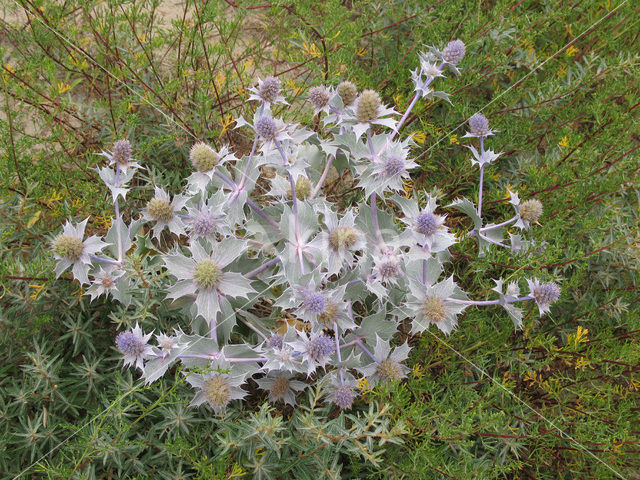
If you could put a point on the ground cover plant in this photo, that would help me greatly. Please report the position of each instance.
(557, 398)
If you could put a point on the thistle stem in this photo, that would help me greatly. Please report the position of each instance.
(295, 207)
(495, 242)
(487, 302)
(503, 224)
(481, 177)
(250, 202)
(325, 172)
(252, 327)
(374, 219)
(253, 151)
(365, 350)
(117, 208)
(262, 268)
(335, 334)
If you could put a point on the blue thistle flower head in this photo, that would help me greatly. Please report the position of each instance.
(454, 51)
(344, 396)
(129, 344)
(320, 347)
(314, 302)
(427, 224)
(266, 127)
(275, 341)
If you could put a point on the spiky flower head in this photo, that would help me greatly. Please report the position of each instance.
(330, 314)
(275, 341)
(121, 152)
(427, 224)
(389, 370)
(130, 344)
(454, 52)
(217, 391)
(393, 165)
(531, 210)
(343, 238)
(479, 125)
(207, 274)
(133, 346)
(203, 157)
(343, 396)
(314, 302)
(546, 293)
(348, 92)
(266, 127)
(160, 209)
(388, 268)
(319, 97)
(387, 366)
(269, 89)
(319, 348)
(68, 247)
(203, 224)
(281, 387)
(434, 309)
(368, 106)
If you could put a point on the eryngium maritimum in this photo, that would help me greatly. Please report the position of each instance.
(479, 125)
(348, 92)
(216, 389)
(133, 346)
(319, 97)
(269, 89)
(454, 52)
(544, 294)
(203, 157)
(531, 210)
(266, 127)
(70, 250)
(368, 106)
(121, 152)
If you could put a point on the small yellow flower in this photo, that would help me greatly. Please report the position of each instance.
(63, 87)
(419, 137)
(311, 49)
(564, 142)
(361, 52)
(454, 139)
(571, 51)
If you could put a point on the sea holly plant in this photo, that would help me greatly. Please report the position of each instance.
(332, 285)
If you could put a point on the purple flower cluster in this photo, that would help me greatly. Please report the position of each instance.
(332, 282)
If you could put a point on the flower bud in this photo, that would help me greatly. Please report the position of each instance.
(393, 165)
(453, 52)
(320, 347)
(68, 246)
(531, 210)
(266, 127)
(479, 125)
(426, 224)
(348, 92)
(160, 210)
(546, 293)
(314, 302)
(269, 89)
(203, 157)
(434, 309)
(389, 370)
(368, 106)
(303, 188)
(343, 238)
(130, 344)
(207, 274)
(344, 396)
(217, 391)
(280, 387)
(121, 152)
(319, 97)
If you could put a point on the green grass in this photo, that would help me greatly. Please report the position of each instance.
(559, 399)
